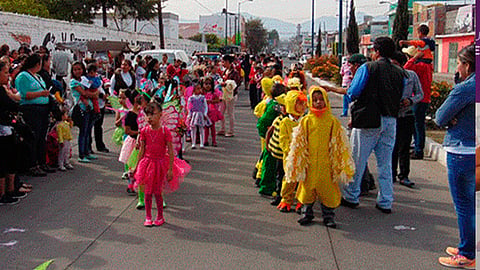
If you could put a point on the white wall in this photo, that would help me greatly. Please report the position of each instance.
(16, 29)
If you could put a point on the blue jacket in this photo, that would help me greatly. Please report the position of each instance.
(459, 105)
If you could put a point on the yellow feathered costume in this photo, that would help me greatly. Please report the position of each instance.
(319, 157)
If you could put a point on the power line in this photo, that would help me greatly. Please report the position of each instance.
(202, 5)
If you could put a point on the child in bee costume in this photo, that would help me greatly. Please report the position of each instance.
(319, 159)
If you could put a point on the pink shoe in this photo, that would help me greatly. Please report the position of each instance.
(159, 222)
(147, 223)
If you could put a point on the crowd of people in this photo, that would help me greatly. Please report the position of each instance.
(306, 155)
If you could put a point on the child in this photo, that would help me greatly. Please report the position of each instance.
(228, 107)
(213, 96)
(64, 137)
(319, 159)
(425, 45)
(295, 105)
(267, 182)
(131, 129)
(92, 83)
(120, 113)
(197, 114)
(157, 169)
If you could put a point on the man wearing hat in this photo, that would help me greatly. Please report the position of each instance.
(424, 72)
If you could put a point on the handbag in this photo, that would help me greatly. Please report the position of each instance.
(77, 115)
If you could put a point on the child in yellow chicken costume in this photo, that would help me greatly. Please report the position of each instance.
(319, 159)
(295, 105)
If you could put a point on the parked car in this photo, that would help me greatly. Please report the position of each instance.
(209, 55)
(172, 55)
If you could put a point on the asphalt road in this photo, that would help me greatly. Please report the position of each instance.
(83, 219)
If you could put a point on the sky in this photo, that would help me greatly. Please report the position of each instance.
(294, 11)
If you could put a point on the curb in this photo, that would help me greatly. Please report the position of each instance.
(433, 150)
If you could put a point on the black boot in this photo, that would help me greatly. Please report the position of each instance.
(276, 200)
(307, 218)
(254, 173)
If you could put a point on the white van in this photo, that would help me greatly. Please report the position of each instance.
(172, 55)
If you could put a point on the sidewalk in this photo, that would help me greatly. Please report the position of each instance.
(84, 220)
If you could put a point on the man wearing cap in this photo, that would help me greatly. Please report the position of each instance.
(377, 89)
(424, 72)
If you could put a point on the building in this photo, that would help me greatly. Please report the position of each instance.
(459, 33)
(187, 30)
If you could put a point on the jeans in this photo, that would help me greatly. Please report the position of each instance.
(420, 110)
(346, 104)
(461, 179)
(401, 151)
(85, 135)
(380, 140)
(36, 116)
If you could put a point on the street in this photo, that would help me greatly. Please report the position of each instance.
(83, 219)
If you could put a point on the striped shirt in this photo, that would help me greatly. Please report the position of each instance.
(274, 142)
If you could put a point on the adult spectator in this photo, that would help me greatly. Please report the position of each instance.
(377, 90)
(424, 72)
(60, 61)
(164, 64)
(87, 121)
(34, 106)
(8, 162)
(246, 66)
(412, 94)
(153, 70)
(123, 78)
(4, 50)
(457, 114)
(230, 73)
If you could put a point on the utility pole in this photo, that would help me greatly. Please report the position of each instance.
(313, 27)
(160, 25)
(340, 29)
(226, 22)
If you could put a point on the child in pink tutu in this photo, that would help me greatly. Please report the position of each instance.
(157, 170)
(213, 96)
(131, 129)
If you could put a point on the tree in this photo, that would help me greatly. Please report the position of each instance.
(352, 32)
(136, 9)
(213, 41)
(256, 35)
(30, 7)
(318, 51)
(72, 10)
(401, 22)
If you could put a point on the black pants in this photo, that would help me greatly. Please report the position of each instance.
(36, 116)
(401, 151)
(280, 173)
(253, 95)
(98, 130)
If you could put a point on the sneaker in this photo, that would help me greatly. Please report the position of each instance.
(330, 223)
(62, 168)
(164, 204)
(193, 146)
(8, 200)
(452, 251)
(383, 210)
(148, 223)
(202, 146)
(125, 175)
(47, 169)
(416, 156)
(140, 206)
(69, 166)
(457, 261)
(348, 204)
(159, 222)
(84, 160)
(18, 194)
(229, 134)
(91, 157)
(131, 192)
(406, 182)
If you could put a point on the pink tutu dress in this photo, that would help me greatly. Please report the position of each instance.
(213, 109)
(153, 167)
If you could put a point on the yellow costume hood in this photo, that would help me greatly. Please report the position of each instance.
(291, 99)
(267, 84)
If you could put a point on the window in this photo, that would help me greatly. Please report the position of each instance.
(452, 57)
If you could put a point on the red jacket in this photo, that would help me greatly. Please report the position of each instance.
(425, 74)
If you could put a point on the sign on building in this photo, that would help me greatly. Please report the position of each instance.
(464, 20)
